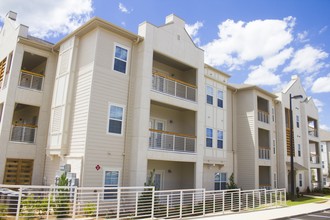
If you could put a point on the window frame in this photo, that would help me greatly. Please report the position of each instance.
(300, 177)
(209, 137)
(110, 169)
(122, 120)
(114, 58)
(209, 95)
(299, 150)
(221, 140)
(297, 121)
(220, 98)
(220, 181)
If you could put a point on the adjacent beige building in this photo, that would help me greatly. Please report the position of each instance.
(109, 107)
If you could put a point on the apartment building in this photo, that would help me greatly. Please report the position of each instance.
(325, 150)
(306, 141)
(109, 107)
(26, 81)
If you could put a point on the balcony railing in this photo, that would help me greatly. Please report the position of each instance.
(23, 133)
(265, 186)
(169, 141)
(264, 153)
(31, 80)
(174, 87)
(263, 116)
(312, 132)
(315, 159)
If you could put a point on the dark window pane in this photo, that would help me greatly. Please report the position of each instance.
(115, 126)
(121, 53)
(208, 142)
(220, 144)
(209, 99)
(216, 186)
(220, 103)
(116, 112)
(110, 194)
(223, 185)
(120, 66)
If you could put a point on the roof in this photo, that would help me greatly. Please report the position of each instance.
(215, 69)
(325, 135)
(98, 22)
(241, 87)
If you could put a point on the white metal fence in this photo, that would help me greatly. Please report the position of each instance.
(44, 202)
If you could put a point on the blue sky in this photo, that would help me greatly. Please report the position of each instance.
(256, 42)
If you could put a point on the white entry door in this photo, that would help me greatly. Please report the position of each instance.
(159, 179)
(158, 138)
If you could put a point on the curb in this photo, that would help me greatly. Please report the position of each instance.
(308, 213)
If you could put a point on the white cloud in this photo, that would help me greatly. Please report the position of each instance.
(262, 76)
(49, 18)
(123, 8)
(193, 29)
(323, 29)
(318, 104)
(307, 60)
(240, 42)
(278, 59)
(321, 84)
(324, 127)
(302, 37)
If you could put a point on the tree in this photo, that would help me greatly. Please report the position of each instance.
(231, 184)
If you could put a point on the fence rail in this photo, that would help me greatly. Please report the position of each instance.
(49, 202)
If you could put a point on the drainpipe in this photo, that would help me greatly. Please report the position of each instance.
(232, 133)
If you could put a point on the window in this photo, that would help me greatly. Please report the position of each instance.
(324, 181)
(220, 98)
(274, 146)
(220, 181)
(120, 60)
(322, 164)
(321, 148)
(297, 119)
(275, 181)
(111, 179)
(220, 139)
(115, 125)
(300, 180)
(299, 150)
(209, 95)
(209, 137)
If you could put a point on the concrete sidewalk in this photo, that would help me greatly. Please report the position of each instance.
(275, 213)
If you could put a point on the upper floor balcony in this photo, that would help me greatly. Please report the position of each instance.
(32, 73)
(314, 159)
(171, 141)
(24, 124)
(173, 87)
(174, 78)
(312, 127)
(263, 110)
(264, 144)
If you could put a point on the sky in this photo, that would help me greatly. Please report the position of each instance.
(260, 42)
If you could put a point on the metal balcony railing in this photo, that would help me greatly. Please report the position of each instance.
(312, 132)
(265, 186)
(315, 159)
(23, 133)
(170, 141)
(263, 116)
(31, 80)
(264, 153)
(174, 87)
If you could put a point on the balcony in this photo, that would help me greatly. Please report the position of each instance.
(174, 87)
(312, 131)
(263, 116)
(315, 159)
(264, 153)
(31, 80)
(170, 141)
(265, 186)
(23, 133)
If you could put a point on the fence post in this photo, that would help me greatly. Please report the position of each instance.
(118, 202)
(204, 194)
(97, 205)
(74, 202)
(239, 200)
(19, 202)
(213, 203)
(253, 200)
(231, 201)
(152, 202)
(48, 205)
(181, 195)
(265, 197)
(223, 202)
(276, 197)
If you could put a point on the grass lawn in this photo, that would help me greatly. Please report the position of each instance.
(304, 200)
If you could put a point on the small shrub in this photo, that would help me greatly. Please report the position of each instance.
(89, 209)
(326, 191)
(308, 190)
(3, 210)
(316, 190)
